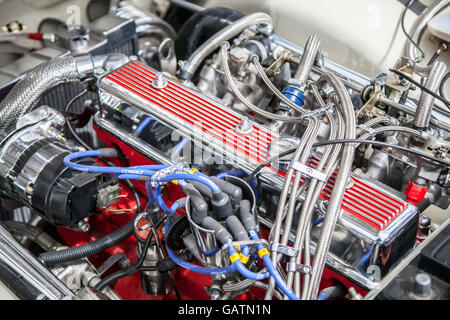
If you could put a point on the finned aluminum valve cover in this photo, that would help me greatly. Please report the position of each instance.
(370, 213)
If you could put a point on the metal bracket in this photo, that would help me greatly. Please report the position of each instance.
(368, 129)
(286, 250)
(138, 218)
(317, 112)
(245, 243)
(309, 172)
(295, 267)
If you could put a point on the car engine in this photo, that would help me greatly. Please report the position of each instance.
(165, 150)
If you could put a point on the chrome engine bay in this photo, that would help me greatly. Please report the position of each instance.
(168, 150)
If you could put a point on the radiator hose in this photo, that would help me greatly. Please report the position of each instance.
(48, 75)
(33, 233)
(65, 255)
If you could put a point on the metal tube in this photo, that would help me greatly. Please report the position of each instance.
(350, 78)
(248, 104)
(311, 129)
(272, 87)
(337, 194)
(411, 110)
(195, 60)
(308, 206)
(423, 111)
(187, 5)
(307, 61)
(390, 128)
(372, 122)
(419, 27)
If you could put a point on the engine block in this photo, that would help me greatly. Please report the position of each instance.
(369, 211)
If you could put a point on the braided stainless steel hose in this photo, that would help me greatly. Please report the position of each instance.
(337, 194)
(312, 127)
(308, 206)
(272, 87)
(307, 61)
(241, 98)
(27, 92)
(426, 101)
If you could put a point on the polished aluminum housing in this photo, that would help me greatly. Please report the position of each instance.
(35, 142)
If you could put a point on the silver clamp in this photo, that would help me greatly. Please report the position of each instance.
(317, 112)
(139, 217)
(368, 129)
(295, 267)
(309, 172)
(285, 250)
(245, 243)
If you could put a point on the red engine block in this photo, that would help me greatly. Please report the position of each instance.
(190, 285)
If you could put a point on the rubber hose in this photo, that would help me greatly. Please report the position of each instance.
(88, 249)
(200, 27)
(33, 233)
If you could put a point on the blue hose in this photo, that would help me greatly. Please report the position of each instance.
(238, 173)
(243, 270)
(148, 170)
(322, 296)
(160, 199)
(193, 267)
(150, 193)
(176, 151)
(131, 177)
(209, 253)
(174, 207)
(198, 269)
(142, 126)
(188, 176)
(272, 270)
(135, 172)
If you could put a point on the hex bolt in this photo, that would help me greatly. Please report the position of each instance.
(83, 226)
(29, 190)
(160, 82)
(245, 126)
